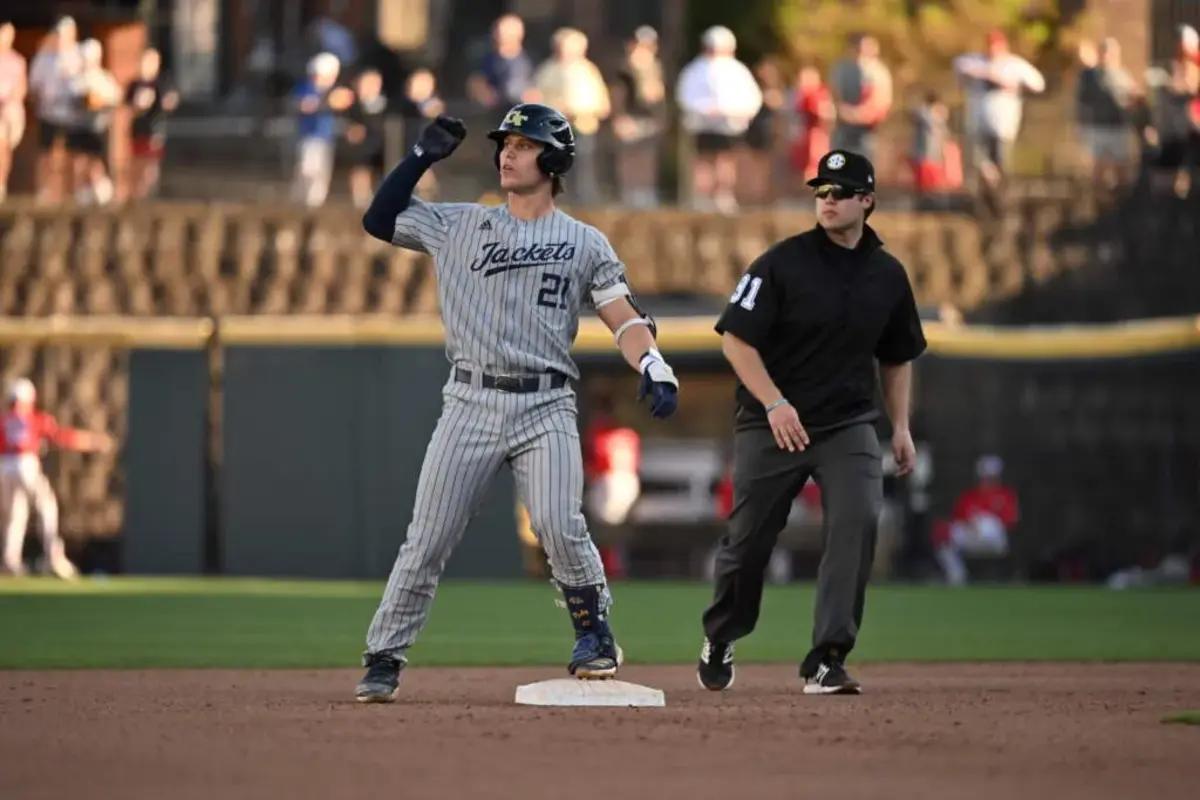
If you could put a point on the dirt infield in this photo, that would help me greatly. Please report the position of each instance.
(929, 731)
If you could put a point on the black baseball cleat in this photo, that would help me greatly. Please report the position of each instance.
(596, 656)
(831, 678)
(715, 669)
(382, 680)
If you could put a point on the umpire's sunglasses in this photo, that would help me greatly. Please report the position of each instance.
(836, 191)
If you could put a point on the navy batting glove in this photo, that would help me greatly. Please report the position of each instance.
(441, 138)
(660, 385)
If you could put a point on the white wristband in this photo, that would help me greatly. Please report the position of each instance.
(783, 401)
(651, 356)
(655, 367)
(627, 324)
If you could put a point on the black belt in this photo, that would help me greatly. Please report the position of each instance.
(511, 383)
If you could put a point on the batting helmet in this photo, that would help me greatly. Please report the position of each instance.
(541, 124)
(21, 390)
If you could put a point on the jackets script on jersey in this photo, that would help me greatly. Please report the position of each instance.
(510, 289)
(497, 258)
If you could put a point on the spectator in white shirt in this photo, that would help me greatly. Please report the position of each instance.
(718, 96)
(572, 84)
(52, 78)
(995, 81)
(96, 96)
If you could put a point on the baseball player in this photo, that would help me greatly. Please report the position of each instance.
(983, 516)
(511, 282)
(22, 482)
(613, 454)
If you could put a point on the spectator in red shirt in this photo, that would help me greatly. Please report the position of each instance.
(982, 519)
(23, 483)
(815, 117)
(936, 159)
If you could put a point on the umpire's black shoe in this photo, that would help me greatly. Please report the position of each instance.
(715, 670)
(831, 678)
(382, 680)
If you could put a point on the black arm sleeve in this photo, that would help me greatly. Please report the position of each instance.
(393, 196)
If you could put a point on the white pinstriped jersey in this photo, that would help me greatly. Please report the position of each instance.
(510, 290)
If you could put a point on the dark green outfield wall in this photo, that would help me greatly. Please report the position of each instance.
(163, 460)
(323, 449)
(322, 452)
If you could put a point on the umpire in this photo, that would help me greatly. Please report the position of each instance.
(803, 331)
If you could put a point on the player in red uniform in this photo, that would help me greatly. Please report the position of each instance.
(983, 516)
(22, 482)
(612, 454)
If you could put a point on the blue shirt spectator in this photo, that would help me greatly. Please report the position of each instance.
(509, 77)
(503, 77)
(318, 123)
(317, 101)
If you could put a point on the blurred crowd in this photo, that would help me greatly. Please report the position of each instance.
(74, 99)
(1117, 113)
(747, 134)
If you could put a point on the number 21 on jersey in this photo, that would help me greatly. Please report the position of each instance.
(554, 291)
(746, 291)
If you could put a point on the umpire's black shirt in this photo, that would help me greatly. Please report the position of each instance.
(819, 314)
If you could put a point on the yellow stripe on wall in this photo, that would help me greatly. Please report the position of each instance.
(1060, 342)
(331, 330)
(676, 335)
(171, 333)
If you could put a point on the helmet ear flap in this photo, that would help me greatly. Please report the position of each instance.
(549, 161)
(554, 162)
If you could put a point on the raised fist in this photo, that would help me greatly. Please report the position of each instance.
(441, 137)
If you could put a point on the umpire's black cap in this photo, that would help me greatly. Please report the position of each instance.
(845, 169)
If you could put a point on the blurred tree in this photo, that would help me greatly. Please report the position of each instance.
(919, 38)
(754, 22)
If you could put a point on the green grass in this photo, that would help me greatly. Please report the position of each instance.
(196, 622)
(1183, 718)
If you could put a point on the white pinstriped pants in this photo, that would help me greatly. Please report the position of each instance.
(480, 430)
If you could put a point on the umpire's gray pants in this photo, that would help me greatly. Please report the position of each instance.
(846, 465)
